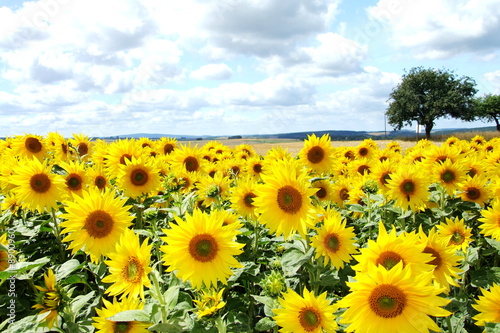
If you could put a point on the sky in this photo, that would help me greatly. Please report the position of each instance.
(230, 67)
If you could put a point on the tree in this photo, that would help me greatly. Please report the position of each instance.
(488, 108)
(425, 95)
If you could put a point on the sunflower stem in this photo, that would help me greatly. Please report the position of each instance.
(138, 217)
(57, 233)
(256, 238)
(448, 322)
(159, 296)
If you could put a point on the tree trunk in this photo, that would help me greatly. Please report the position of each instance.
(498, 124)
(428, 129)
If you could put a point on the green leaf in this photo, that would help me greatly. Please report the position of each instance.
(493, 243)
(165, 328)
(293, 259)
(130, 315)
(23, 267)
(79, 301)
(265, 324)
(67, 268)
(171, 297)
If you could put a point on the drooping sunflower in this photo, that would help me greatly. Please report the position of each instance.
(137, 177)
(305, 314)
(213, 190)
(456, 233)
(390, 249)
(129, 267)
(201, 243)
(334, 242)
(105, 325)
(209, 301)
(444, 259)
(49, 299)
(95, 222)
(283, 201)
(488, 305)
(29, 146)
(449, 174)
(317, 153)
(489, 222)
(242, 197)
(37, 188)
(392, 300)
(75, 178)
(475, 189)
(408, 186)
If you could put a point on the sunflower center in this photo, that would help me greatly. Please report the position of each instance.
(436, 261)
(309, 319)
(257, 168)
(387, 301)
(473, 193)
(33, 145)
(472, 172)
(385, 177)
(125, 156)
(408, 187)
(100, 182)
(344, 194)
(321, 193)
(362, 169)
(289, 199)
(389, 259)
(74, 182)
(248, 199)
(191, 163)
(332, 242)
(363, 151)
(133, 271)
(316, 154)
(139, 177)
(122, 327)
(168, 148)
(457, 238)
(82, 148)
(203, 247)
(99, 224)
(448, 176)
(235, 170)
(40, 183)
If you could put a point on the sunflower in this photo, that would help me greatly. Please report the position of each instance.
(105, 325)
(334, 241)
(434, 155)
(341, 189)
(408, 187)
(488, 305)
(360, 166)
(305, 314)
(201, 243)
(37, 188)
(129, 267)
(81, 143)
(166, 145)
(137, 178)
(97, 178)
(456, 233)
(390, 249)
(4, 255)
(75, 178)
(489, 222)
(317, 153)
(475, 189)
(242, 197)
(118, 153)
(209, 302)
(213, 190)
(229, 218)
(365, 149)
(9, 164)
(187, 159)
(444, 259)
(57, 146)
(381, 173)
(449, 174)
(254, 166)
(95, 222)
(49, 299)
(392, 300)
(283, 201)
(29, 146)
(324, 191)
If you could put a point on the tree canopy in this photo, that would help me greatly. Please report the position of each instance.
(488, 108)
(425, 95)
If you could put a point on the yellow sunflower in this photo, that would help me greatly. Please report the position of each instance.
(334, 241)
(449, 174)
(254, 166)
(317, 153)
(29, 146)
(393, 300)
(57, 146)
(246, 149)
(408, 186)
(137, 177)
(475, 189)
(489, 222)
(341, 190)
(4, 255)
(97, 178)
(209, 302)
(488, 306)
(324, 191)
(95, 222)
(213, 190)
(284, 200)
(242, 197)
(201, 243)
(118, 153)
(81, 143)
(456, 233)
(381, 173)
(75, 178)
(49, 299)
(129, 267)
(305, 314)
(187, 159)
(37, 188)
(390, 249)
(166, 145)
(104, 325)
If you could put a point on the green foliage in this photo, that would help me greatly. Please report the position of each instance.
(425, 95)
(488, 108)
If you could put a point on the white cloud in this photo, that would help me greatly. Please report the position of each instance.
(212, 72)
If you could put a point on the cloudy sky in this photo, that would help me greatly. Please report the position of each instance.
(228, 67)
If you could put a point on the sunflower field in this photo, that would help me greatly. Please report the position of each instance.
(136, 235)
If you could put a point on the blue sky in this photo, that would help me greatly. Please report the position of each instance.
(229, 67)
